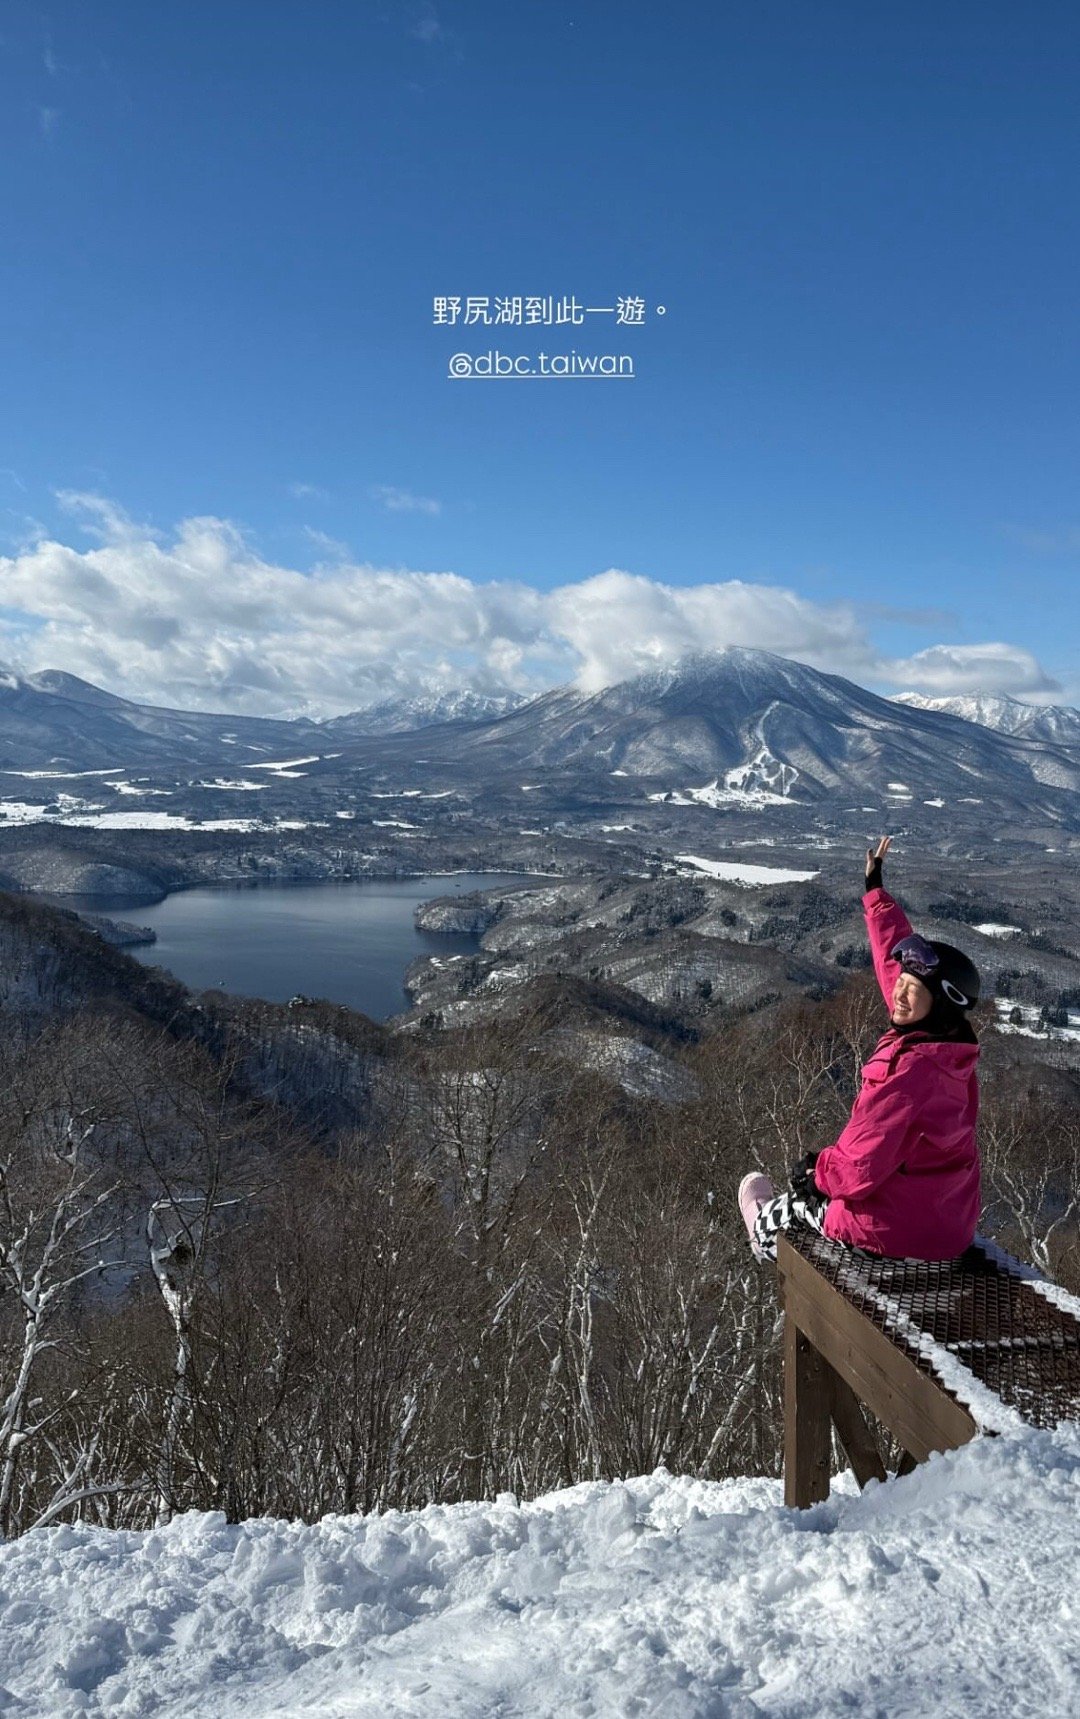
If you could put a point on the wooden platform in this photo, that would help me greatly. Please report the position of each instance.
(937, 1351)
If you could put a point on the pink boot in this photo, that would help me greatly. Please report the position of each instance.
(754, 1190)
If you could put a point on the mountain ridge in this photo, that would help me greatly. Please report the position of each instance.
(1059, 724)
(734, 727)
(425, 710)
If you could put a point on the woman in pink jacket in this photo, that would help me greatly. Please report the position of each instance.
(903, 1177)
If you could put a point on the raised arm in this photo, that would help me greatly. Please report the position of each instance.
(886, 922)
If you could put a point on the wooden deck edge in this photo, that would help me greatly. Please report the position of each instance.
(916, 1407)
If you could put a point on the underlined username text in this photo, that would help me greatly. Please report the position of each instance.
(495, 365)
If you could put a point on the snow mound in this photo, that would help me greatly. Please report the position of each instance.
(950, 1592)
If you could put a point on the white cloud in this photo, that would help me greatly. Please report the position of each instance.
(98, 517)
(619, 624)
(200, 619)
(19, 531)
(48, 120)
(427, 27)
(308, 492)
(1064, 540)
(331, 548)
(401, 501)
(436, 35)
(995, 668)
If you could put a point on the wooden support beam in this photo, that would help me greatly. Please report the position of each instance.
(912, 1404)
(854, 1434)
(807, 1426)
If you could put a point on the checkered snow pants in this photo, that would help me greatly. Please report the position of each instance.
(783, 1213)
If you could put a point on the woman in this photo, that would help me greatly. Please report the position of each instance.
(903, 1178)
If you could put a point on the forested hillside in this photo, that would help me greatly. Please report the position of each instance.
(280, 1260)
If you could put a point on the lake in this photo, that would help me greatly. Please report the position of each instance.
(349, 942)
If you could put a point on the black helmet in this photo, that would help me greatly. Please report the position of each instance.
(945, 971)
(955, 976)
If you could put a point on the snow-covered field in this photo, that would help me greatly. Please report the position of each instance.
(1030, 1025)
(950, 1593)
(735, 792)
(748, 874)
(80, 815)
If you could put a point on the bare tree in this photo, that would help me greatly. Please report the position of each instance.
(486, 1100)
(1030, 1147)
(54, 1234)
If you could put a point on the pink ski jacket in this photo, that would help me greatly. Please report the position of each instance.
(903, 1178)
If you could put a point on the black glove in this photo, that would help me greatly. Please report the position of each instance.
(801, 1177)
(873, 865)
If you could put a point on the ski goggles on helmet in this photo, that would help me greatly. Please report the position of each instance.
(920, 958)
(916, 955)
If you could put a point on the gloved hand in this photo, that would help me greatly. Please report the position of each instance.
(801, 1177)
(874, 857)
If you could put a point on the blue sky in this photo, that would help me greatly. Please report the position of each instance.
(224, 229)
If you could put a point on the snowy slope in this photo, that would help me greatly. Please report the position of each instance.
(737, 728)
(952, 1592)
(59, 724)
(426, 710)
(1057, 723)
(745, 727)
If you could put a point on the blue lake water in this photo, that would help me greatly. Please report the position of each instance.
(349, 942)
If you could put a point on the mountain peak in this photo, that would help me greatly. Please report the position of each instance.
(425, 710)
(64, 685)
(740, 665)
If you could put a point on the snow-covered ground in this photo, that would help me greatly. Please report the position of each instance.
(748, 874)
(1031, 1025)
(64, 775)
(286, 765)
(733, 793)
(950, 1593)
(81, 815)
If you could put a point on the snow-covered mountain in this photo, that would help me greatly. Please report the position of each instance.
(405, 715)
(747, 724)
(725, 728)
(1059, 724)
(56, 722)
